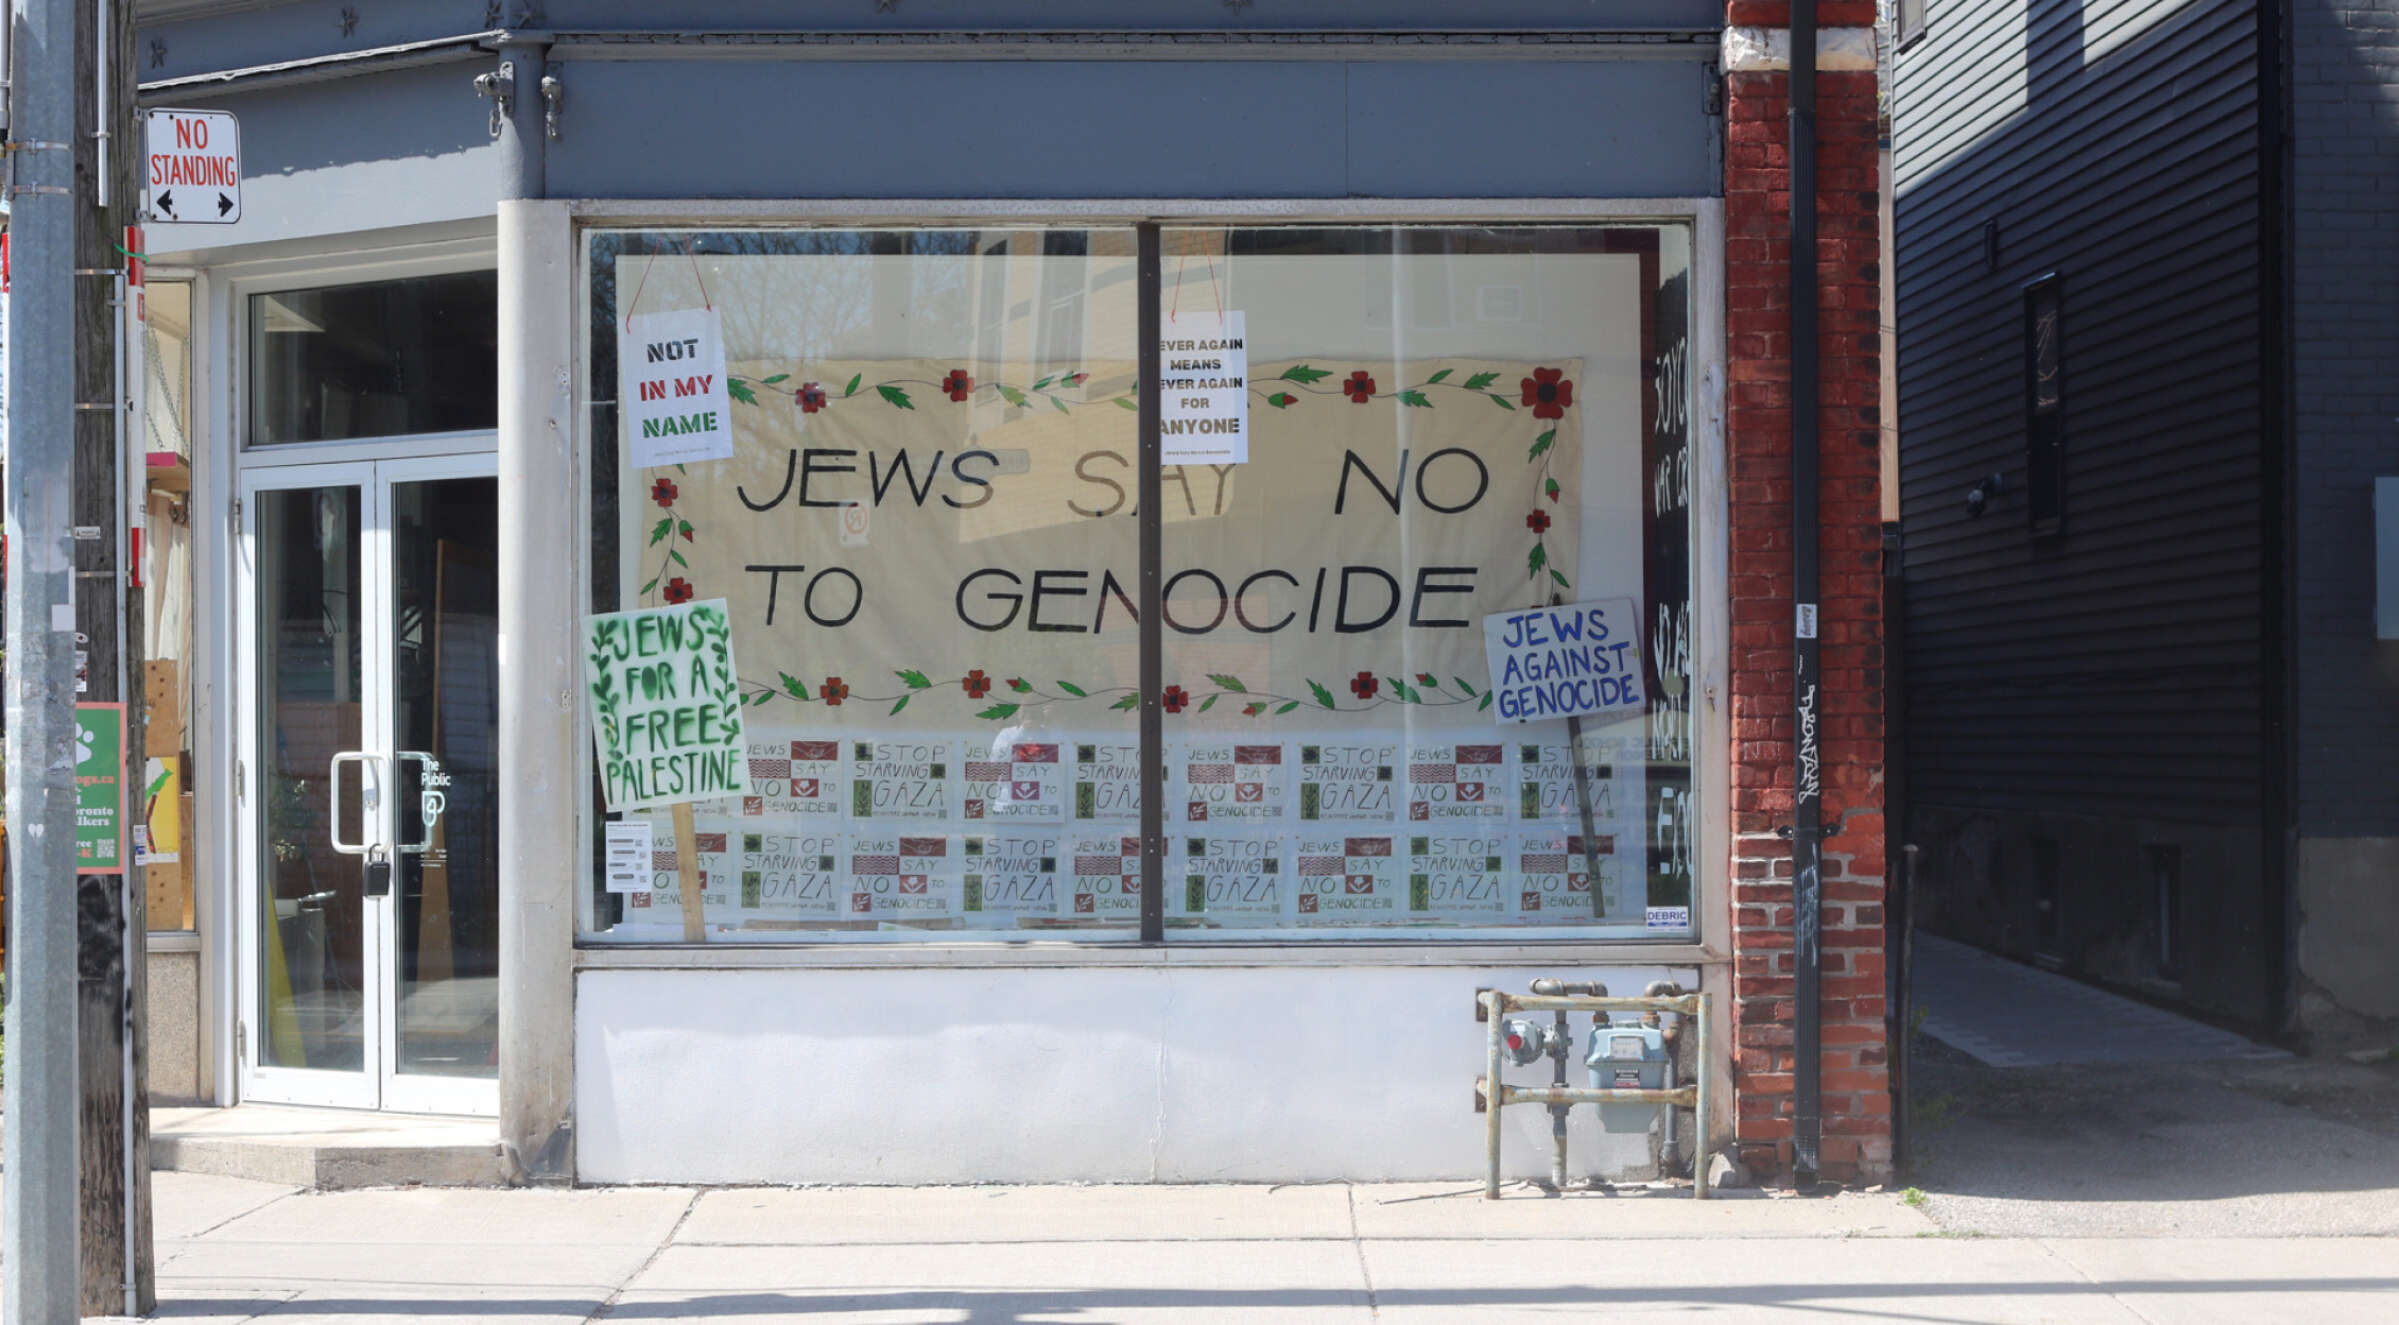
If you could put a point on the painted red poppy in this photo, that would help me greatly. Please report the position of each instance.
(1538, 522)
(1549, 393)
(977, 685)
(664, 492)
(1364, 684)
(833, 691)
(1175, 699)
(678, 590)
(1359, 388)
(958, 384)
(811, 397)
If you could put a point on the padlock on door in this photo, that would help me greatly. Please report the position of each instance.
(378, 878)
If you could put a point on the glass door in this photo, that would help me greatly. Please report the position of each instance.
(369, 789)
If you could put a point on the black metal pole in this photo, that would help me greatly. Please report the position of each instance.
(1807, 886)
(1147, 275)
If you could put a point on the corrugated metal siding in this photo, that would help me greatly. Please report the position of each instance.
(2113, 670)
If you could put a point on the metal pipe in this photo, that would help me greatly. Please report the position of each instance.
(1150, 267)
(1492, 1088)
(40, 1233)
(1557, 1112)
(523, 147)
(1556, 1095)
(1686, 1003)
(103, 24)
(1807, 827)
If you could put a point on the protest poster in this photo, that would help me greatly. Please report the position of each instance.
(671, 391)
(1574, 660)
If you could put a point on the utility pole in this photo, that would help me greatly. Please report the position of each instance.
(37, 1204)
(113, 937)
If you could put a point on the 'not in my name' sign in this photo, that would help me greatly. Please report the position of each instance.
(671, 389)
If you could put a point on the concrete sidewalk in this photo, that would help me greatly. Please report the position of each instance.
(234, 1250)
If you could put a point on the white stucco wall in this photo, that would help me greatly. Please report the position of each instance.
(1106, 1074)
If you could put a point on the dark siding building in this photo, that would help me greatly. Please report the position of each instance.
(2145, 347)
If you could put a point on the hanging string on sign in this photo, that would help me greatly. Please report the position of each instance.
(698, 276)
(1182, 260)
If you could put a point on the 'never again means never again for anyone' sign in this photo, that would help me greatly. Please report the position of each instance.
(665, 705)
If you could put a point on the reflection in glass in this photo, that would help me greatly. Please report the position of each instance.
(383, 359)
(927, 546)
(445, 717)
(309, 684)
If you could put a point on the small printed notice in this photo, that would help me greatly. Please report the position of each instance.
(670, 372)
(1668, 917)
(1348, 781)
(1011, 876)
(904, 779)
(1106, 882)
(1231, 882)
(1229, 782)
(665, 704)
(1348, 881)
(1571, 661)
(1020, 781)
(1457, 783)
(627, 867)
(99, 788)
(1203, 391)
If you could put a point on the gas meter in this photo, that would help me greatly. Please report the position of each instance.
(1527, 1041)
(1627, 1057)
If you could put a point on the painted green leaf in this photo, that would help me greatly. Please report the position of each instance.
(1043, 382)
(659, 531)
(1486, 702)
(1537, 558)
(1224, 682)
(1415, 398)
(1437, 376)
(1252, 710)
(852, 388)
(915, 680)
(741, 391)
(683, 527)
(902, 704)
(678, 558)
(1286, 708)
(779, 377)
(1011, 395)
(1209, 703)
(1281, 399)
(1462, 684)
(895, 396)
(1553, 574)
(1128, 702)
(1302, 373)
(1502, 401)
(1128, 402)
(1070, 688)
(998, 711)
(1020, 685)
(793, 684)
(651, 585)
(1550, 486)
(1541, 444)
(1481, 380)
(1428, 679)
(1061, 405)
(1323, 696)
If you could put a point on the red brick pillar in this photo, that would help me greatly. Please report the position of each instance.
(1856, 1138)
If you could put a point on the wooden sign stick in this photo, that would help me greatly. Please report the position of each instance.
(687, 870)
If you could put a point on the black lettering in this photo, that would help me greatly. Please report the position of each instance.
(774, 580)
(1224, 602)
(1041, 587)
(809, 470)
(1015, 601)
(958, 471)
(1349, 461)
(1341, 621)
(1241, 613)
(881, 483)
(1482, 481)
(857, 598)
(791, 464)
(1425, 587)
(1083, 472)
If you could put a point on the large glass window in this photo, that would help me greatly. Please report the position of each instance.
(928, 538)
(380, 359)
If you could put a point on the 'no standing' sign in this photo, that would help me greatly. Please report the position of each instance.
(194, 170)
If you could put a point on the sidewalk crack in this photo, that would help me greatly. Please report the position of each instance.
(605, 1309)
(1374, 1307)
(2111, 1294)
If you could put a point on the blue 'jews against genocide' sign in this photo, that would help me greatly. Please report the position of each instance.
(1572, 660)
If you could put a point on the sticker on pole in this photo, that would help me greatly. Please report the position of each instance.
(194, 176)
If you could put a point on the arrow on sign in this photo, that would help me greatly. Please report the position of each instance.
(224, 204)
(166, 203)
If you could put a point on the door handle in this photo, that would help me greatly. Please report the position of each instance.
(370, 796)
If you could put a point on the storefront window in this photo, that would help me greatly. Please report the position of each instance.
(928, 542)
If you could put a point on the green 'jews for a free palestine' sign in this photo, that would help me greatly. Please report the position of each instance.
(665, 704)
(99, 788)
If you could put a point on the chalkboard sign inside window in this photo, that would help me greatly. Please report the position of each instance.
(2044, 406)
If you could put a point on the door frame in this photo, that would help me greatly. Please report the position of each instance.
(377, 1083)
